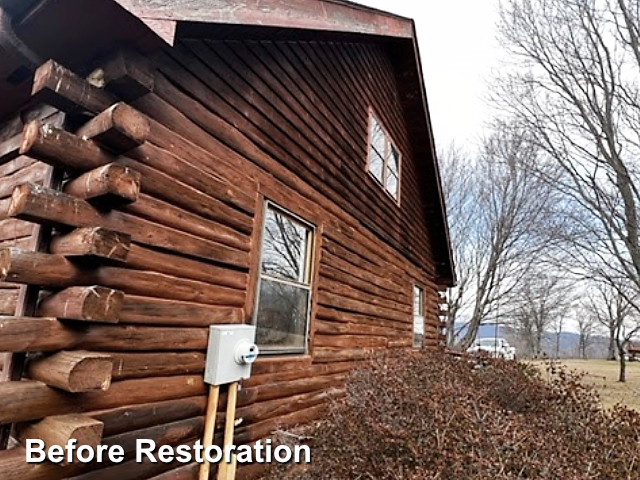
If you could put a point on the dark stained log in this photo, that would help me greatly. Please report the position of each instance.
(157, 311)
(10, 148)
(210, 197)
(14, 466)
(55, 85)
(128, 74)
(29, 334)
(328, 355)
(264, 429)
(335, 328)
(261, 393)
(73, 372)
(169, 215)
(142, 258)
(144, 365)
(134, 417)
(35, 173)
(31, 400)
(350, 341)
(42, 205)
(56, 271)
(89, 304)
(303, 371)
(108, 187)
(12, 228)
(61, 429)
(92, 242)
(120, 128)
(62, 149)
(8, 301)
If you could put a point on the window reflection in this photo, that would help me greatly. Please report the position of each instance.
(282, 313)
(384, 158)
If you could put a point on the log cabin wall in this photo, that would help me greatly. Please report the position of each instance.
(229, 125)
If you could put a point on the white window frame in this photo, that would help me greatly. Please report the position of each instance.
(309, 274)
(418, 315)
(388, 145)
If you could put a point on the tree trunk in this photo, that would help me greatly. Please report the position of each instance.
(612, 344)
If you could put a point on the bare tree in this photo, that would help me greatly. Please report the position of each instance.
(497, 210)
(543, 303)
(574, 88)
(616, 305)
(586, 322)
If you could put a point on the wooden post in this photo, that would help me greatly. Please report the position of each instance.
(59, 430)
(73, 372)
(92, 242)
(108, 187)
(119, 128)
(209, 427)
(226, 470)
(89, 304)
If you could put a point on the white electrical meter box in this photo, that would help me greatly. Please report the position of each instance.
(230, 353)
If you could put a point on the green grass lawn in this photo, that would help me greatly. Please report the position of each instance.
(604, 376)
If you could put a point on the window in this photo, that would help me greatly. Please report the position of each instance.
(284, 289)
(384, 158)
(418, 316)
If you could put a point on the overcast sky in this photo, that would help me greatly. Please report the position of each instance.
(459, 53)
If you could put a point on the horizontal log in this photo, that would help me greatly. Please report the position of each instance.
(73, 372)
(143, 258)
(30, 400)
(157, 311)
(135, 417)
(34, 173)
(188, 472)
(304, 371)
(11, 228)
(119, 128)
(90, 304)
(144, 365)
(329, 355)
(56, 271)
(336, 328)
(62, 149)
(8, 301)
(349, 341)
(92, 242)
(10, 148)
(261, 393)
(57, 86)
(42, 205)
(106, 187)
(61, 429)
(23, 334)
(14, 466)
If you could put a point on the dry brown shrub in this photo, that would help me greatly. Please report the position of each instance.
(426, 417)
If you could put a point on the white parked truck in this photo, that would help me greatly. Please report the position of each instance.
(495, 347)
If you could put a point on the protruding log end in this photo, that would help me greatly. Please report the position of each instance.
(60, 430)
(94, 242)
(89, 304)
(107, 187)
(119, 128)
(74, 372)
(30, 135)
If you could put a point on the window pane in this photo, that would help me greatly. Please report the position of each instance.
(378, 138)
(284, 248)
(376, 165)
(418, 330)
(418, 302)
(282, 315)
(394, 161)
(392, 185)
